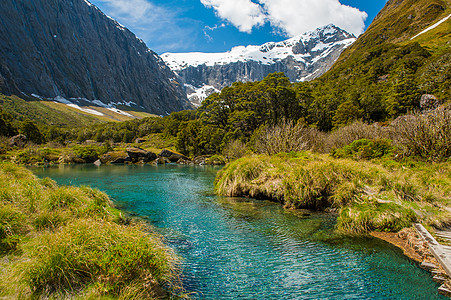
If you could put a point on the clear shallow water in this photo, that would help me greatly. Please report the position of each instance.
(245, 249)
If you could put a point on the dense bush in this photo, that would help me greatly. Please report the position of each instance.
(427, 136)
(365, 149)
(31, 131)
(283, 137)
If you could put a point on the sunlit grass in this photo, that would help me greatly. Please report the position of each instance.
(66, 242)
(367, 195)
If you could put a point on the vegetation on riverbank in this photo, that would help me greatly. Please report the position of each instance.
(368, 196)
(67, 242)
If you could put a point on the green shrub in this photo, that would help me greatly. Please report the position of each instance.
(427, 136)
(216, 160)
(31, 131)
(370, 216)
(88, 153)
(365, 149)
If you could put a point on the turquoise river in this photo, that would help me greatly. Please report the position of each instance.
(235, 248)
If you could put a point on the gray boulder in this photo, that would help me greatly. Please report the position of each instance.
(137, 154)
(19, 140)
(115, 158)
(172, 156)
(429, 102)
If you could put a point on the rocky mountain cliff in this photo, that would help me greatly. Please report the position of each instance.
(70, 49)
(301, 58)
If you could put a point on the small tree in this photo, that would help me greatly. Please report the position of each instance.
(31, 131)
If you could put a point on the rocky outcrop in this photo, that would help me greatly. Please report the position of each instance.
(115, 157)
(69, 48)
(429, 102)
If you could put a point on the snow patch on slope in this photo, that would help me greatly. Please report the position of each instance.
(86, 110)
(73, 103)
(432, 27)
(87, 2)
(197, 95)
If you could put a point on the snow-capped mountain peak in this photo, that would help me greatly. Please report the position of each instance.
(303, 48)
(303, 57)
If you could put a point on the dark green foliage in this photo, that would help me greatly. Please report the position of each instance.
(88, 153)
(196, 139)
(6, 126)
(243, 107)
(365, 149)
(31, 131)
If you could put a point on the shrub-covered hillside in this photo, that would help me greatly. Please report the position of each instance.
(385, 72)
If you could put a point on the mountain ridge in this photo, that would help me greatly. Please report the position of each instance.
(304, 57)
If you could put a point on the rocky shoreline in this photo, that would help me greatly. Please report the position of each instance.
(418, 251)
(136, 155)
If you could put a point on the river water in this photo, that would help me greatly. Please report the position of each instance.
(234, 248)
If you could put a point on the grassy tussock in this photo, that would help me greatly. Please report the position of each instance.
(367, 196)
(67, 242)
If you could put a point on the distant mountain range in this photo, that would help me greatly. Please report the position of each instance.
(301, 58)
(69, 51)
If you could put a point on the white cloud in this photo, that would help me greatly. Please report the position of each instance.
(130, 9)
(208, 28)
(292, 17)
(243, 14)
(297, 16)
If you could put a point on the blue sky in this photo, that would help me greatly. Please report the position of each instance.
(219, 25)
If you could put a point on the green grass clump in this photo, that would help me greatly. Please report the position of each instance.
(216, 160)
(374, 216)
(105, 257)
(367, 196)
(67, 242)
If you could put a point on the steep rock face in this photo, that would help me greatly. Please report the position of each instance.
(304, 57)
(69, 48)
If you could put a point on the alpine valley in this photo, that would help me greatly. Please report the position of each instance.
(326, 142)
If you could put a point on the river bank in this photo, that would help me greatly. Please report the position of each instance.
(70, 242)
(369, 196)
